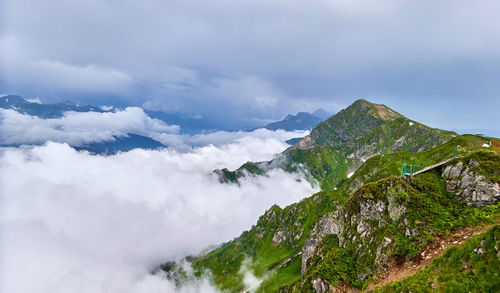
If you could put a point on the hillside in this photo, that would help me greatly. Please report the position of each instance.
(336, 147)
(343, 237)
(473, 266)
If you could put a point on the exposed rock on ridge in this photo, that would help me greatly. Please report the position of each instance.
(470, 186)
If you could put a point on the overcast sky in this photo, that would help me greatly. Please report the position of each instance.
(243, 62)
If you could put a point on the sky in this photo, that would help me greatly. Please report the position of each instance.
(244, 63)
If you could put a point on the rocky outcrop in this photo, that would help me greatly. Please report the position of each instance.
(360, 224)
(355, 224)
(329, 224)
(278, 237)
(305, 143)
(321, 287)
(470, 186)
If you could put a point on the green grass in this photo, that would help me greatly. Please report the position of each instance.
(459, 269)
(287, 274)
(430, 209)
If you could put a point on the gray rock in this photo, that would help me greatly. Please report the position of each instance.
(307, 252)
(395, 210)
(371, 210)
(453, 171)
(387, 241)
(320, 286)
(471, 187)
(364, 229)
(278, 237)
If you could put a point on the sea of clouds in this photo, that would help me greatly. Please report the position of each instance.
(75, 222)
(80, 128)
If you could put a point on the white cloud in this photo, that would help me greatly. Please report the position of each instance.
(221, 138)
(34, 100)
(73, 222)
(24, 69)
(77, 128)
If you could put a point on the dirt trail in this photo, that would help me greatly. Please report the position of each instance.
(395, 272)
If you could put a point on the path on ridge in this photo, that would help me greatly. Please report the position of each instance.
(396, 272)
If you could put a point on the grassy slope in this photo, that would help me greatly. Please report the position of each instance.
(459, 269)
(257, 243)
(431, 207)
(431, 210)
(358, 129)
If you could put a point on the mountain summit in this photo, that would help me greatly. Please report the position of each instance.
(365, 119)
(336, 147)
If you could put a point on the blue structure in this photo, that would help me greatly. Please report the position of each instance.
(408, 170)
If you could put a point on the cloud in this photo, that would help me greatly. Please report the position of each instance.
(34, 100)
(78, 128)
(57, 76)
(222, 138)
(74, 222)
(215, 58)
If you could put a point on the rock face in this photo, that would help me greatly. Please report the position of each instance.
(469, 185)
(321, 287)
(329, 224)
(359, 225)
(355, 224)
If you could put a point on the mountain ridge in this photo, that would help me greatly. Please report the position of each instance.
(339, 145)
(345, 232)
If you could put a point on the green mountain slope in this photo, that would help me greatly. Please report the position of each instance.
(337, 146)
(297, 232)
(342, 236)
(395, 218)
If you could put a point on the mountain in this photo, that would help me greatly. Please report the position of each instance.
(337, 146)
(321, 113)
(11, 100)
(373, 221)
(48, 111)
(44, 111)
(122, 144)
(301, 121)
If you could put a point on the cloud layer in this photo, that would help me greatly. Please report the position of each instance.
(73, 222)
(79, 128)
(247, 60)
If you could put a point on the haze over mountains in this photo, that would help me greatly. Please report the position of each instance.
(131, 136)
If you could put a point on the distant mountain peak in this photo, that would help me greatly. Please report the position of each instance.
(11, 100)
(322, 113)
(300, 121)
